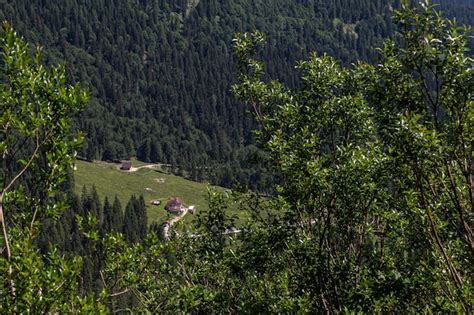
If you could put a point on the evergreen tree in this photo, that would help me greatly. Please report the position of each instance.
(108, 224)
(117, 215)
(142, 218)
(131, 228)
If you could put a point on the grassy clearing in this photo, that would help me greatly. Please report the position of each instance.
(151, 183)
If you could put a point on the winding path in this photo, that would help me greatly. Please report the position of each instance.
(166, 226)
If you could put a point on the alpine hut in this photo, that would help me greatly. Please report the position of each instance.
(126, 165)
(175, 206)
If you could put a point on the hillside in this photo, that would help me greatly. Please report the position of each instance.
(148, 180)
(160, 72)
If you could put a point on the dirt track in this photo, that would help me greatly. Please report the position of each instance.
(166, 226)
(134, 169)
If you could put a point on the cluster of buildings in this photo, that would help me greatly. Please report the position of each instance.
(176, 206)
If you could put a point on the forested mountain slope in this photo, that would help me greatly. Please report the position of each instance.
(160, 72)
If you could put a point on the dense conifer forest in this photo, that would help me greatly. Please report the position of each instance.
(160, 71)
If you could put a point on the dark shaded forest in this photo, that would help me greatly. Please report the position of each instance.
(159, 72)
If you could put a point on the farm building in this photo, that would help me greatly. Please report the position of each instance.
(126, 165)
(175, 205)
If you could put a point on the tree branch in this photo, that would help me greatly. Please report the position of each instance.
(5, 190)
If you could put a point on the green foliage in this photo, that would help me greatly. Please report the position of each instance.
(358, 151)
(379, 159)
(35, 119)
(213, 222)
(374, 209)
(42, 283)
(37, 149)
(135, 220)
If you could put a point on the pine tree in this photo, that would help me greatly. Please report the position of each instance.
(107, 225)
(130, 223)
(142, 221)
(117, 216)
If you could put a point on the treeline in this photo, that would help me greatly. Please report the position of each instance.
(160, 72)
(86, 221)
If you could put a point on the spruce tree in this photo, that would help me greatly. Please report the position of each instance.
(142, 221)
(107, 225)
(130, 223)
(117, 217)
